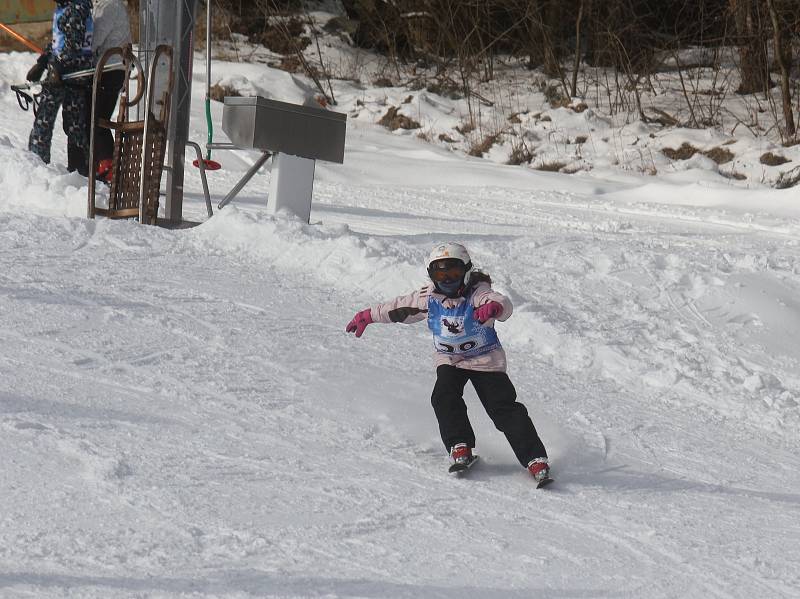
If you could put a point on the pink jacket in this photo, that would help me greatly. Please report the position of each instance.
(414, 308)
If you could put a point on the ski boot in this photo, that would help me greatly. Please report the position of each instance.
(462, 457)
(540, 470)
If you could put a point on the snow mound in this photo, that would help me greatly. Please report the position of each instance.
(29, 185)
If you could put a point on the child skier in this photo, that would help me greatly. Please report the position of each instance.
(461, 307)
(70, 50)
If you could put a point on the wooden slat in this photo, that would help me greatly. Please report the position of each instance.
(114, 126)
(125, 213)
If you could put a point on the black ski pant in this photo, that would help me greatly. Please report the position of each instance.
(499, 399)
(111, 83)
(72, 101)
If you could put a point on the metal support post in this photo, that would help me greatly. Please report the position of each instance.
(181, 106)
(172, 22)
(262, 160)
(201, 165)
(291, 185)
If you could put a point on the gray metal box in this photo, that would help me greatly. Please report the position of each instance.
(270, 125)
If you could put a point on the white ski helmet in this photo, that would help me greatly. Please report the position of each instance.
(450, 251)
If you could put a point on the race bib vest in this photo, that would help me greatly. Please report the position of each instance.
(457, 331)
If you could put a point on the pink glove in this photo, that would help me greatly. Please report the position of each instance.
(487, 311)
(359, 322)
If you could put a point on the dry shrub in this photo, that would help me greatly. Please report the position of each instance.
(719, 155)
(663, 118)
(393, 120)
(219, 92)
(446, 138)
(466, 128)
(685, 152)
(383, 82)
(552, 167)
(520, 153)
(340, 25)
(284, 38)
(733, 175)
(555, 95)
(479, 148)
(446, 89)
(788, 179)
(290, 64)
(581, 139)
(580, 107)
(771, 159)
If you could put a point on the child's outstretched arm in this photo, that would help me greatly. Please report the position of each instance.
(489, 310)
(360, 322)
(490, 304)
(405, 308)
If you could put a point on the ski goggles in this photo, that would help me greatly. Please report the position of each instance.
(448, 273)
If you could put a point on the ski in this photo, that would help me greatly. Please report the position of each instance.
(116, 66)
(544, 482)
(459, 468)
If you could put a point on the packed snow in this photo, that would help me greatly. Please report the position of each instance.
(183, 415)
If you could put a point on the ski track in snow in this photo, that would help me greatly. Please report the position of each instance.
(182, 414)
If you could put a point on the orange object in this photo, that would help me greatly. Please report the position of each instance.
(20, 38)
(209, 165)
(104, 170)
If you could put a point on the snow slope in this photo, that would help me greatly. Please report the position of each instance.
(183, 415)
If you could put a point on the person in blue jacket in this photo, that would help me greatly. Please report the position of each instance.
(69, 50)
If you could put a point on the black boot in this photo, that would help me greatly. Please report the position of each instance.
(77, 160)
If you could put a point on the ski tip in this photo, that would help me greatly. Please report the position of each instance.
(460, 468)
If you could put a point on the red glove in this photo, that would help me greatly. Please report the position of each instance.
(488, 311)
(360, 322)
